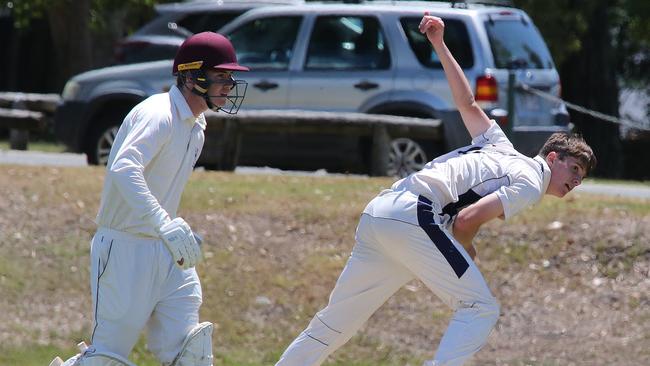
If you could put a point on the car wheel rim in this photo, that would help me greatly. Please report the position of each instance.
(104, 145)
(405, 157)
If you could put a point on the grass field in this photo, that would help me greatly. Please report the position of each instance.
(571, 275)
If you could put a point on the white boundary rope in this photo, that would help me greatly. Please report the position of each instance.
(621, 121)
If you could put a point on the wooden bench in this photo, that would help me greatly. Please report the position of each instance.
(381, 129)
(25, 112)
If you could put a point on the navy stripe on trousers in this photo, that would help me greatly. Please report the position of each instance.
(439, 238)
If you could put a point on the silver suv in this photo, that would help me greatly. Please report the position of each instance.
(367, 58)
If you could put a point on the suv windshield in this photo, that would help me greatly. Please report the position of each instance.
(456, 38)
(516, 40)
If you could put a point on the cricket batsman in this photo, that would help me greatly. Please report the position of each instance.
(424, 225)
(143, 255)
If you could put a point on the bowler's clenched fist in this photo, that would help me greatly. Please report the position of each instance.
(433, 27)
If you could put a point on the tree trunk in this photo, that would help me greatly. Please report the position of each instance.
(71, 37)
(589, 80)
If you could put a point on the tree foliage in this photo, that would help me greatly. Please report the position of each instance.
(633, 42)
(566, 25)
(599, 46)
(80, 35)
(99, 15)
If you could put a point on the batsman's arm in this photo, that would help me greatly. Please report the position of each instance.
(469, 220)
(475, 120)
(142, 143)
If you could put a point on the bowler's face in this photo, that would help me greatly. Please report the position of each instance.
(222, 84)
(566, 174)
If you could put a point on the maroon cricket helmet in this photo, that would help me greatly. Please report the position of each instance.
(207, 50)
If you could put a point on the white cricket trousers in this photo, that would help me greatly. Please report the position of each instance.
(387, 254)
(135, 285)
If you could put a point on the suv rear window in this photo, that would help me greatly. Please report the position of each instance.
(456, 38)
(347, 43)
(266, 43)
(519, 41)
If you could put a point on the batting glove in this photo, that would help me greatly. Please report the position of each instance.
(181, 242)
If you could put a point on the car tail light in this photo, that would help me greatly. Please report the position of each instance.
(486, 89)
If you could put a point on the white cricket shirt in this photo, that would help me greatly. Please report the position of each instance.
(150, 162)
(463, 176)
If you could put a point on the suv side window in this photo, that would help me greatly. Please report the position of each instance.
(266, 43)
(199, 22)
(347, 43)
(456, 39)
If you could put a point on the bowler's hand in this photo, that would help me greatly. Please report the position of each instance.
(434, 28)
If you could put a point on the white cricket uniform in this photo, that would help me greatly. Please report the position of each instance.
(134, 281)
(404, 233)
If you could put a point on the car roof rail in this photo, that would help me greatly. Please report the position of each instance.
(464, 3)
(461, 4)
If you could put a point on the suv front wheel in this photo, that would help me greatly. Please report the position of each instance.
(100, 140)
(104, 144)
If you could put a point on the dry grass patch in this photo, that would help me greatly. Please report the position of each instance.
(572, 275)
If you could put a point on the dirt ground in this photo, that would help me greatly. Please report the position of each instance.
(573, 279)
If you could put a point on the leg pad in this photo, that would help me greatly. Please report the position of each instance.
(197, 347)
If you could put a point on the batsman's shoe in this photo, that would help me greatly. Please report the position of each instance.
(88, 356)
(57, 361)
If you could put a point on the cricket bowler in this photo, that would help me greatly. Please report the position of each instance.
(424, 225)
(143, 255)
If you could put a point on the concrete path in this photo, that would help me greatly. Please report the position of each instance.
(618, 189)
(68, 159)
(19, 157)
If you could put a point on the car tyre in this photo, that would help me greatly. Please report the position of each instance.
(405, 156)
(100, 142)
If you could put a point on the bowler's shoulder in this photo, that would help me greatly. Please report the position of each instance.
(527, 171)
(494, 135)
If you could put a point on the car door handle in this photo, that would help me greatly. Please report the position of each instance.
(366, 85)
(265, 85)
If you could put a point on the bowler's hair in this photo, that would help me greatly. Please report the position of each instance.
(573, 145)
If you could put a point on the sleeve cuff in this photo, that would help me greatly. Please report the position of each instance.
(158, 219)
(504, 202)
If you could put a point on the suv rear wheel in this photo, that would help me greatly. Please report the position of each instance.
(405, 157)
